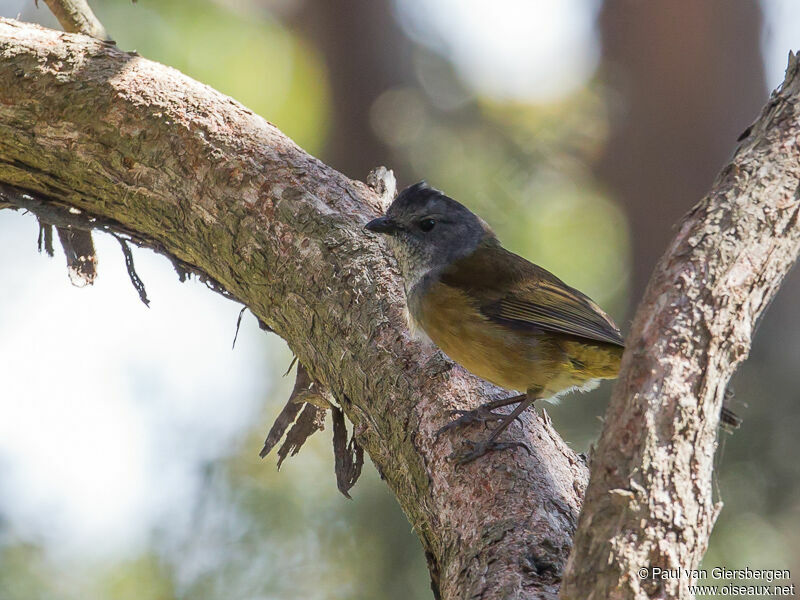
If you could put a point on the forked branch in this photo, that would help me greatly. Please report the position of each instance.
(223, 193)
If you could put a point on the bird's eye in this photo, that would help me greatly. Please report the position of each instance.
(426, 225)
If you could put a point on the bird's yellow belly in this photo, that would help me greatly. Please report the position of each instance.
(508, 357)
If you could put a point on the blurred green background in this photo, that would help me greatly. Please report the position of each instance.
(581, 130)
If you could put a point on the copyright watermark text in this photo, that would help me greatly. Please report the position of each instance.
(737, 582)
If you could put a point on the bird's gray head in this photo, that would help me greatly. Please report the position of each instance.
(427, 231)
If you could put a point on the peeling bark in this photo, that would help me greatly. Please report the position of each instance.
(225, 194)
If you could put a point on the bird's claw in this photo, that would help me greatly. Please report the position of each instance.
(478, 449)
(468, 417)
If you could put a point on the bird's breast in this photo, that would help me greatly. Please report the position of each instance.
(509, 357)
(454, 322)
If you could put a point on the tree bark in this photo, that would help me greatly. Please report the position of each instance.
(196, 175)
(649, 502)
(85, 125)
(76, 16)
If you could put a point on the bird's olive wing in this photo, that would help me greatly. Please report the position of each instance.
(554, 306)
(511, 290)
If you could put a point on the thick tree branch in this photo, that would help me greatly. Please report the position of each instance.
(220, 190)
(223, 193)
(649, 502)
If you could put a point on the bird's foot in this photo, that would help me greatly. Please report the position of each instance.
(477, 449)
(482, 414)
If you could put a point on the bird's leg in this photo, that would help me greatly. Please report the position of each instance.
(482, 414)
(478, 449)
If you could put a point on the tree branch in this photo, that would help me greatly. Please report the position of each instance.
(75, 16)
(221, 191)
(649, 501)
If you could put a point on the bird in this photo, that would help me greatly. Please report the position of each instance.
(495, 313)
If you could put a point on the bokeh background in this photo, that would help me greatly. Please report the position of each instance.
(581, 129)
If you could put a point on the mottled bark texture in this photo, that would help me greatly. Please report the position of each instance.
(86, 125)
(649, 502)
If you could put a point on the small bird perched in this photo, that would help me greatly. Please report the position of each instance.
(498, 315)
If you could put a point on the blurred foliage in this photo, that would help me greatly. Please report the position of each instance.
(247, 55)
(24, 571)
(251, 532)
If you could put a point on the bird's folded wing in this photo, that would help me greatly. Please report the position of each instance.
(511, 290)
(554, 306)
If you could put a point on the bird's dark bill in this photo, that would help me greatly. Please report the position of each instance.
(381, 225)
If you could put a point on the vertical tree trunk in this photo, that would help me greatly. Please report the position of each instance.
(688, 79)
(365, 54)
